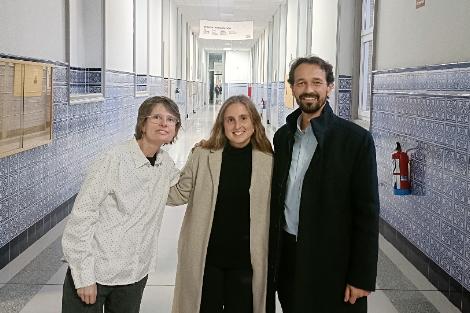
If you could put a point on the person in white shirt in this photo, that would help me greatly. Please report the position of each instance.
(110, 240)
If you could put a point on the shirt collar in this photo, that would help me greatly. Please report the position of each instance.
(299, 130)
(139, 157)
(320, 125)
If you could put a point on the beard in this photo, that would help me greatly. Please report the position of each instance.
(309, 106)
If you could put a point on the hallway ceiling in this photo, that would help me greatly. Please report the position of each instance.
(258, 11)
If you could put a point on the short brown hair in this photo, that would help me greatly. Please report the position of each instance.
(146, 108)
(324, 65)
(218, 139)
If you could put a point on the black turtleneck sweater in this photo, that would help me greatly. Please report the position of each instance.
(229, 243)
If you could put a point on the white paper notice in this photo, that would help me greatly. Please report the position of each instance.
(225, 30)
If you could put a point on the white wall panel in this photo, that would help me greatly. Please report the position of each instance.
(437, 33)
(32, 28)
(237, 67)
(324, 20)
(155, 37)
(119, 27)
(141, 33)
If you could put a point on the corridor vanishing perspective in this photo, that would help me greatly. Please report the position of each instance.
(74, 73)
(32, 283)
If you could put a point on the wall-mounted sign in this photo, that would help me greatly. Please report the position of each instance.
(420, 3)
(225, 30)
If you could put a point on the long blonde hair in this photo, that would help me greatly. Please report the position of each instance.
(218, 139)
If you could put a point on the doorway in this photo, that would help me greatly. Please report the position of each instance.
(216, 78)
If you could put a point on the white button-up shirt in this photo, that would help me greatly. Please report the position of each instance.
(111, 237)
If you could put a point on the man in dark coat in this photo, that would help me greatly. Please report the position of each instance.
(323, 243)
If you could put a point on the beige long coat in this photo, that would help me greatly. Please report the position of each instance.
(198, 186)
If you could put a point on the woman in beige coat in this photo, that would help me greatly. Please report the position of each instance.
(223, 245)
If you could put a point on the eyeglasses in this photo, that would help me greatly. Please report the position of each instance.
(158, 119)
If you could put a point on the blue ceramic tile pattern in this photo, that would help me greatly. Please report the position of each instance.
(281, 113)
(85, 80)
(141, 83)
(427, 110)
(345, 96)
(156, 85)
(35, 182)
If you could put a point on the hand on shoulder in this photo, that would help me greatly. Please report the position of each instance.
(198, 144)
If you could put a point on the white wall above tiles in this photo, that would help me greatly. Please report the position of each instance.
(155, 37)
(141, 35)
(291, 35)
(434, 34)
(173, 31)
(324, 29)
(346, 37)
(237, 67)
(86, 33)
(119, 26)
(33, 28)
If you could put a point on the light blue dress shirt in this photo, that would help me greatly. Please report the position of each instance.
(305, 145)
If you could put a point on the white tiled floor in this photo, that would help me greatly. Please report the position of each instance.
(159, 291)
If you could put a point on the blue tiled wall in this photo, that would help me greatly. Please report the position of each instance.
(141, 83)
(345, 96)
(85, 80)
(427, 110)
(37, 186)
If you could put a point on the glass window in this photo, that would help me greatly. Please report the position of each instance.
(25, 105)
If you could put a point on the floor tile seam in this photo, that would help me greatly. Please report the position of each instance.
(17, 303)
(389, 275)
(46, 251)
(407, 270)
(31, 253)
(10, 291)
(404, 266)
(60, 284)
(37, 284)
(419, 302)
(50, 256)
(408, 290)
(395, 295)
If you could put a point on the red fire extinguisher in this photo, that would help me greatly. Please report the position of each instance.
(402, 184)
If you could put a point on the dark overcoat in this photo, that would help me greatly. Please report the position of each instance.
(337, 241)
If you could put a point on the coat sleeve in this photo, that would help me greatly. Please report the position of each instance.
(365, 219)
(180, 193)
(173, 173)
(80, 227)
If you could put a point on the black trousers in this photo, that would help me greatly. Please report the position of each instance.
(286, 279)
(115, 299)
(227, 290)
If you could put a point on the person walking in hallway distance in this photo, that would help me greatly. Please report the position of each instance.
(111, 238)
(223, 244)
(323, 240)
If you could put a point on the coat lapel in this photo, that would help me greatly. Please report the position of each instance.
(215, 162)
(261, 166)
